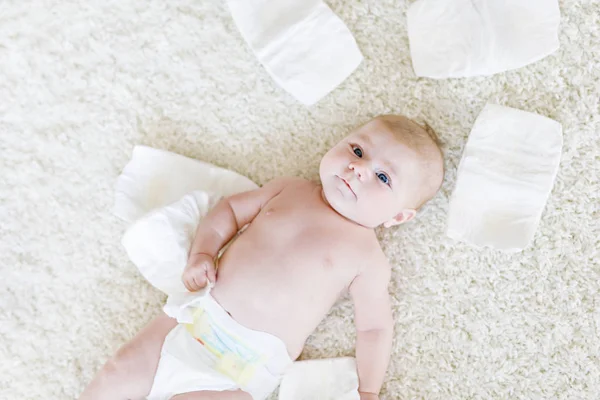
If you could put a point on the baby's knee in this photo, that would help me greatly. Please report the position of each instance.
(120, 366)
(124, 361)
(114, 368)
(120, 373)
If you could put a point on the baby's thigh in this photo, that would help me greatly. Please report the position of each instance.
(129, 374)
(210, 395)
(139, 357)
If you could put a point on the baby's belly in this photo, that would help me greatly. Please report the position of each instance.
(286, 299)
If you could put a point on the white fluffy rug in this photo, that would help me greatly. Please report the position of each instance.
(82, 82)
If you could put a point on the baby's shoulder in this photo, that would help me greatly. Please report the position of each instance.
(292, 179)
(287, 181)
(291, 183)
(372, 271)
(278, 185)
(367, 251)
(375, 252)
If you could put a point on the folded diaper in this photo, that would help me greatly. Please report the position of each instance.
(154, 191)
(504, 178)
(330, 379)
(154, 178)
(159, 242)
(462, 38)
(302, 44)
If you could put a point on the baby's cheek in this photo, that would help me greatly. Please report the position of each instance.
(387, 205)
(374, 203)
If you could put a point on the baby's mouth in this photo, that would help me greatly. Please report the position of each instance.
(347, 185)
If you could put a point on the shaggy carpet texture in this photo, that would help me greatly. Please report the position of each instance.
(81, 83)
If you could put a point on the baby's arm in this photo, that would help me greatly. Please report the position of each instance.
(374, 325)
(220, 225)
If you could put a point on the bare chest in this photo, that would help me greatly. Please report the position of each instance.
(296, 238)
(287, 269)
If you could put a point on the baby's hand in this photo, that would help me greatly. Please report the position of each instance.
(199, 270)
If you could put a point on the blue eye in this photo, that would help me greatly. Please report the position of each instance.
(357, 151)
(383, 178)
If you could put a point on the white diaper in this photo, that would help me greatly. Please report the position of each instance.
(328, 379)
(211, 351)
(154, 178)
(461, 38)
(159, 242)
(504, 178)
(302, 44)
(165, 195)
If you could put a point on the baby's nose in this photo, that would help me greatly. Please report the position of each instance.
(358, 168)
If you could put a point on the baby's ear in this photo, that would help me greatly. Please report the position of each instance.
(402, 217)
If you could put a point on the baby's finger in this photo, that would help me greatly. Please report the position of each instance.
(199, 281)
(210, 273)
(187, 281)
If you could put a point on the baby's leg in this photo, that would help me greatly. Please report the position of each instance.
(210, 395)
(129, 374)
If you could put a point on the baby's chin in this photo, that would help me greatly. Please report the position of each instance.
(332, 197)
(345, 208)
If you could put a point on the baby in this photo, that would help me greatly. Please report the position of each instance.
(305, 244)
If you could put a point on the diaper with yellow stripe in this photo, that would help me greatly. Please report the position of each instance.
(232, 356)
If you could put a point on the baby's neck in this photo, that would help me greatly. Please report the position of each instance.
(322, 195)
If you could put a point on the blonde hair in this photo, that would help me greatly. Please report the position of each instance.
(424, 140)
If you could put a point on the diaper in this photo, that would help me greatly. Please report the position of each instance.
(209, 350)
(165, 195)
(462, 38)
(504, 178)
(154, 178)
(328, 379)
(302, 44)
(159, 242)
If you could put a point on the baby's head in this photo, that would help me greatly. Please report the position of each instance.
(383, 172)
